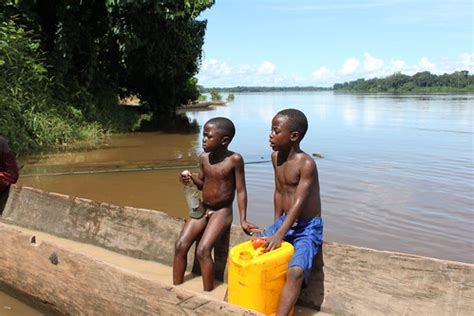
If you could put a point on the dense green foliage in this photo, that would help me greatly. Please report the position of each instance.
(160, 48)
(459, 81)
(29, 115)
(63, 65)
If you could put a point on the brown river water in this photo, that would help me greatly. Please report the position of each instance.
(396, 173)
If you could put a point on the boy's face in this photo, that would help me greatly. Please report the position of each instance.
(280, 135)
(212, 139)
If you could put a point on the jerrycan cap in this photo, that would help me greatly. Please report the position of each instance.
(245, 255)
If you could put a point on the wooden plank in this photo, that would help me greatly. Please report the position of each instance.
(353, 279)
(77, 284)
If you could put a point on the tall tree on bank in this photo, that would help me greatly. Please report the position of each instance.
(161, 47)
(97, 49)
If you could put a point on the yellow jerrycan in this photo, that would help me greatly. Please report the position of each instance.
(255, 277)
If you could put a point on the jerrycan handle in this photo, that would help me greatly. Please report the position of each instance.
(245, 255)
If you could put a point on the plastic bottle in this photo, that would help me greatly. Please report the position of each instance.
(191, 194)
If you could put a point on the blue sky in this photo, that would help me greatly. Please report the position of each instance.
(319, 43)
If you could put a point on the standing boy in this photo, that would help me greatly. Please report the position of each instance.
(221, 174)
(296, 201)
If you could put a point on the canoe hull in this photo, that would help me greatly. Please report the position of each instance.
(352, 281)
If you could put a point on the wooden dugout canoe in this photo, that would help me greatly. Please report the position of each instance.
(353, 281)
(199, 105)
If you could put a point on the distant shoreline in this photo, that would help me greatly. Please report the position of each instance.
(268, 89)
(421, 82)
(430, 90)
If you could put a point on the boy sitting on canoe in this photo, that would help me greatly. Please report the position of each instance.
(221, 174)
(297, 203)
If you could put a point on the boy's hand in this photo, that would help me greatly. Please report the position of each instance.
(249, 228)
(185, 177)
(273, 242)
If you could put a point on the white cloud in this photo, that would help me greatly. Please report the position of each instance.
(322, 73)
(372, 64)
(426, 65)
(398, 64)
(215, 73)
(349, 66)
(215, 67)
(467, 60)
(244, 69)
(266, 68)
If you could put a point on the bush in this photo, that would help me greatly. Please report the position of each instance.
(29, 116)
(215, 96)
(23, 86)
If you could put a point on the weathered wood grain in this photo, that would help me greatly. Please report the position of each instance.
(353, 280)
(78, 284)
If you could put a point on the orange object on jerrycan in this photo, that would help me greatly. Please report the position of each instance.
(256, 278)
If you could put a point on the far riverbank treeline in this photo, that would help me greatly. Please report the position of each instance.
(265, 89)
(65, 64)
(458, 81)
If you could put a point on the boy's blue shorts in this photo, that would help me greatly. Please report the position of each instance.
(306, 236)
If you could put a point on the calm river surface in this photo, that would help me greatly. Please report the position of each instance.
(397, 172)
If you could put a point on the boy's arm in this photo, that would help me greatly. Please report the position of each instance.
(303, 190)
(242, 193)
(277, 199)
(199, 178)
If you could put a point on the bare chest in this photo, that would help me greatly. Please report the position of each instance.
(218, 171)
(288, 174)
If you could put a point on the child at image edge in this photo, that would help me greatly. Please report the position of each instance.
(221, 174)
(297, 203)
(8, 166)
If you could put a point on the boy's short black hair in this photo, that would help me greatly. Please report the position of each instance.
(224, 125)
(297, 121)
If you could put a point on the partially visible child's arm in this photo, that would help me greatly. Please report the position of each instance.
(277, 199)
(277, 204)
(242, 194)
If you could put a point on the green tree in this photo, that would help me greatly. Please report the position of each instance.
(29, 116)
(161, 46)
(459, 81)
(215, 95)
(63, 64)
